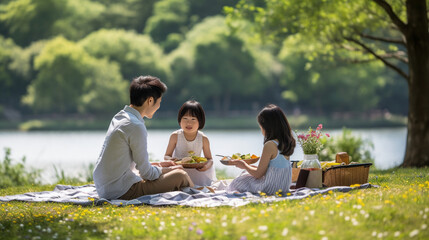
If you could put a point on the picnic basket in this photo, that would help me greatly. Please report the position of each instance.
(346, 175)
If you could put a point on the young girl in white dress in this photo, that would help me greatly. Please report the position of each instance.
(191, 119)
(274, 171)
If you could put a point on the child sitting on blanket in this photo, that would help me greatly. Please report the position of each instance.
(274, 172)
(191, 119)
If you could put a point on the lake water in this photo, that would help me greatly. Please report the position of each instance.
(73, 151)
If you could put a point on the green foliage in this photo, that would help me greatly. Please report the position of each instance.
(62, 67)
(23, 62)
(135, 54)
(202, 9)
(80, 18)
(70, 80)
(320, 50)
(16, 71)
(16, 174)
(326, 21)
(168, 18)
(126, 14)
(289, 52)
(213, 59)
(25, 18)
(393, 95)
(327, 85)
(8, 77)
(105, 90)
(172, 19)
(172, 42)
(357, 148)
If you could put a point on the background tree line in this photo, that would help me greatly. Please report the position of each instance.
(78, 56)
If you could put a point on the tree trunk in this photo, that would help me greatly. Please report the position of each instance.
(417, 36)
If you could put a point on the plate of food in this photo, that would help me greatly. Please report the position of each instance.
(248, 158)
(192, 162)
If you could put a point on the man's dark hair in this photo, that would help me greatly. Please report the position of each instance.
(143, 87)
(194, 109)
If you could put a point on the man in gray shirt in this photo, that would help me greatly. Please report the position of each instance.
(126, 144)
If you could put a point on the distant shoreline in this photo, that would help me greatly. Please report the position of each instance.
(216, 123)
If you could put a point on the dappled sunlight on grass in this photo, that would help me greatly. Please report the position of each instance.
(397, 209)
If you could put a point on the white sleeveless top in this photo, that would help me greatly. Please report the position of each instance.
(182, 149)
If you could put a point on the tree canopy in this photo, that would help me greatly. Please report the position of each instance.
(299, 60)
(134, 53)
(392, 32)
(69, 80)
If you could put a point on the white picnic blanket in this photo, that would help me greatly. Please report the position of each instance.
(86, 195)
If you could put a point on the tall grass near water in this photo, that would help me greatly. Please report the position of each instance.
(16, 173)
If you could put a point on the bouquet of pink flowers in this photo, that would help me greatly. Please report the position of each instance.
(312, 141)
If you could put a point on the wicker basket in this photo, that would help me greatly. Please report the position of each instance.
(295, 174)
(346, 175)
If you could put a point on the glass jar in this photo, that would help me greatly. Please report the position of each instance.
(311, 161)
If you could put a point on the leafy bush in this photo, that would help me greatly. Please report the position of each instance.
(70, 80)
(357, 148)
(16, 174)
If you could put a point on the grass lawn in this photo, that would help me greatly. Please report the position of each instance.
(398, 209)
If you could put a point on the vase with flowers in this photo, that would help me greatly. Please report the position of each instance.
(311, 143)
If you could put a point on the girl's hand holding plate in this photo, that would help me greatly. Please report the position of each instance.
(238, 163)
